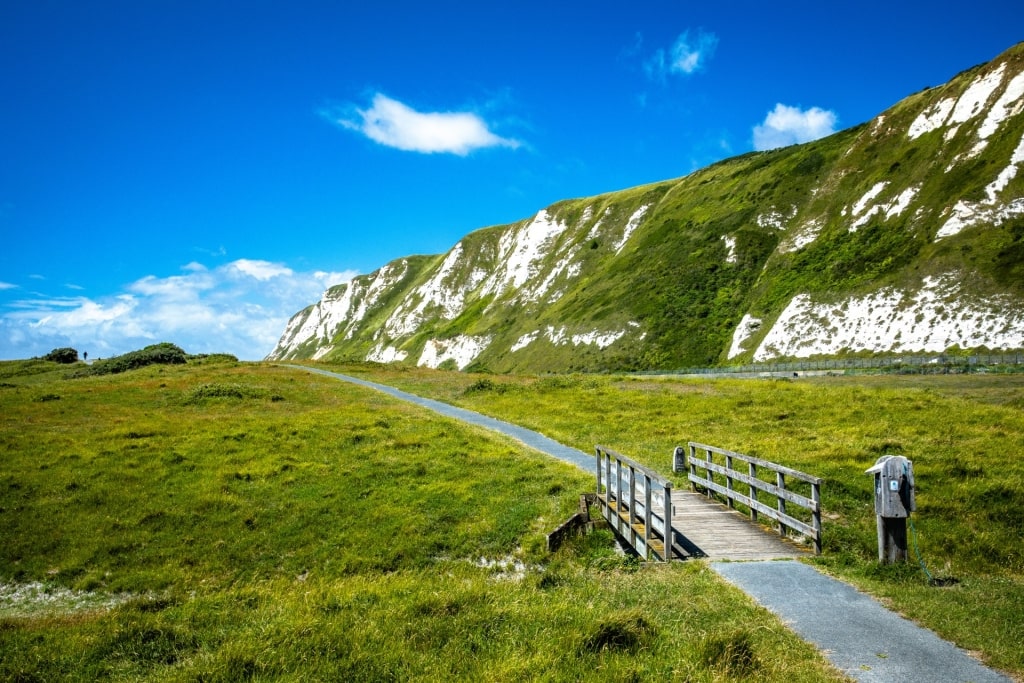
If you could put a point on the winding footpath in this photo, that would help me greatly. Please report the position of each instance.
(530, 438)
(861, 638)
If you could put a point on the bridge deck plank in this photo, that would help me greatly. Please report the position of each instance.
(710, 529)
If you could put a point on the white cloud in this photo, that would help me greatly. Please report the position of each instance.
(240, 308)
(786, 125)
(261, 270)
(393, 124)
(7, 285)
(689, 54)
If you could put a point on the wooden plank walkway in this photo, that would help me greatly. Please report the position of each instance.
(712, 530)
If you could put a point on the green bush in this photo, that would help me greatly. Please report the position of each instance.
(64, 355)
(155, 354)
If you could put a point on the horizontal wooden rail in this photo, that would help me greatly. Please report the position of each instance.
(691, 463)
(637, 502)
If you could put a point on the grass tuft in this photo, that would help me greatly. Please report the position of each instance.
(732, 654)
(626, 632)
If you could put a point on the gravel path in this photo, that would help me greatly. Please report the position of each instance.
(865, 640)
(530, 438)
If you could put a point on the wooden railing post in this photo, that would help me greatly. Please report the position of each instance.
(632, 505)
(752, 470)
(780, 481)
(608, 479)
(693, 467)
(669, 533)
(728, 481)
(648, 516)
(707, 472)
(816, 516)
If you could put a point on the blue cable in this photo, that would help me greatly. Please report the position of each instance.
(917, 551)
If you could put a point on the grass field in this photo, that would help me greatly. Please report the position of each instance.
(964, 434)
(219, 521)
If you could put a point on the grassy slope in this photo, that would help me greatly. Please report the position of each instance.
(962, 433)
(258, 523)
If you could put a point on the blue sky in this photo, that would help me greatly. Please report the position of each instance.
(197, 172)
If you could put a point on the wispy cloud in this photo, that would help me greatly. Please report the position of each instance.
(240, 308)
(7, 285)
(394, 124)
(786, 125)
(689, 54)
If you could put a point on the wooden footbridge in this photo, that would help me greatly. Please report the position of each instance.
(718, 516)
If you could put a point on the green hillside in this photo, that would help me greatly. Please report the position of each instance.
(903, 234)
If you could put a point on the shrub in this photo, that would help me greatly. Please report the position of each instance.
(216, 390)
(156, 354)
(64, 355)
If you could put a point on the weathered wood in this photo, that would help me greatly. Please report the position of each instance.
(659, 523)
(570, 527)
(754, 486)
(753, 481)
(573, 526)
(892, 539)
(767, 511)
(714, 531)
(632, 511)
(775, 467)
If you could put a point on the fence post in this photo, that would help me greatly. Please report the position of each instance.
(816, 516)
(780, 481)
(752, 470)
(632, 505)
(597, 451)
(693, 468)
(648, 517)
(728, 481)
(669, 533)
(707, 472)
(607, 465)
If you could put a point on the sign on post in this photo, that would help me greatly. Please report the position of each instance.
(894, 501)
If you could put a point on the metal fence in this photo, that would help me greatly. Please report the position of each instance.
(917, 363)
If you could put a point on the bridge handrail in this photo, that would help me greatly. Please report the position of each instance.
(638, 500)
(690, 464)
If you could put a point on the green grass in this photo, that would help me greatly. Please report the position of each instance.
(963, 434)
(219, 521)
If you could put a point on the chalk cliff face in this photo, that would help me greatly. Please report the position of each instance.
(904, 234)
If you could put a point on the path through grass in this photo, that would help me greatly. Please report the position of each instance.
(965, 435)
(229, 522)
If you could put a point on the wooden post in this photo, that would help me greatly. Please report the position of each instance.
(669, 534)
(608, 480)
(816, 516)
(728, 482)
(632, 506)
(892, 539)
(693, 468)
(780, 481)
(707, 472)
(648, 516)
(752, 470)
(619, 495)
